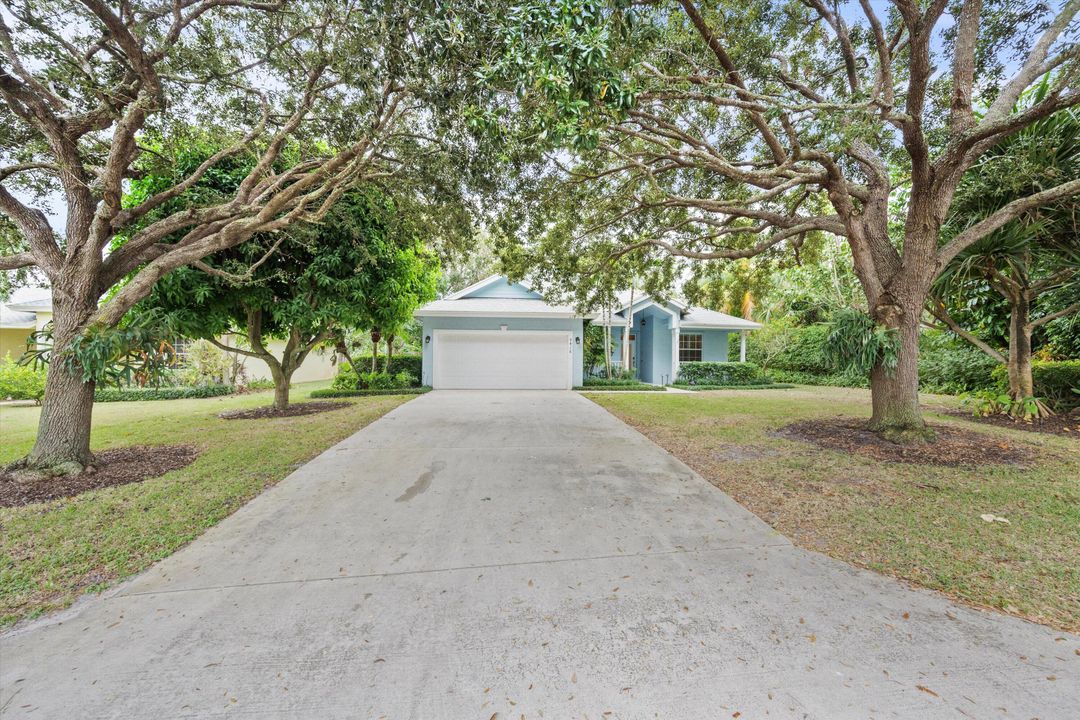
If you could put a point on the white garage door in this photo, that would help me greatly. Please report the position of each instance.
(502, 360)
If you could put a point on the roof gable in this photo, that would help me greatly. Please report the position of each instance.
(496, 286)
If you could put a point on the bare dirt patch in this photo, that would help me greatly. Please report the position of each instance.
(113, 467)
(1067, 425)
(954, 447)
(294, 410)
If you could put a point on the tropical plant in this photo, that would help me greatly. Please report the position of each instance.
(1026, 258)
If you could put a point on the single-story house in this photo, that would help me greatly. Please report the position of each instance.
(498, 334)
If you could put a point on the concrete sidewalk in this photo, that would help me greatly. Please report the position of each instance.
(525, 554)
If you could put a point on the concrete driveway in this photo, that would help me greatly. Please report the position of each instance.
(520, 555)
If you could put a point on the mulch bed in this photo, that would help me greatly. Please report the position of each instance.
(294, 410)
(114, 467)
(954, 447)
(1064, 424)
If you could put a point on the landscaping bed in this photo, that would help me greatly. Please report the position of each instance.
(1003, 536)
(1064, 424)
(293, 410)
(629, 387)
(119, 466)
(332, 393)
(953, 447)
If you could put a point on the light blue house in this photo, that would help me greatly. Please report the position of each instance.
(497, 334)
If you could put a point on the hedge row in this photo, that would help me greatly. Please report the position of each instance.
(766, 386)
(610, 382)
(720, 373)
(162, 393)
(331, 393)
(412, 364)
(827, 379)
(1054, 382)
(636, 387)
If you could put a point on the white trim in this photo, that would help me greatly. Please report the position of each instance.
(558, 315)
(489, 280)
(456, 331)
(753, 326)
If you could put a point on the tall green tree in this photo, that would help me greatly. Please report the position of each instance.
(1025, 260)
(356, 91)
(725, 129)
(304, 286)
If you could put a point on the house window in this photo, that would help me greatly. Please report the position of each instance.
(689, 348)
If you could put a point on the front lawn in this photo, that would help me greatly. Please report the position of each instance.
(917, 522)
(52, 552)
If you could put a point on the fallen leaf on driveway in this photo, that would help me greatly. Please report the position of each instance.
(927, 690)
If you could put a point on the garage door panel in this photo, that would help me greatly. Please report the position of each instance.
(502, 360)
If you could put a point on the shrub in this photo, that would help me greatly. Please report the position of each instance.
(161, 393)
(331, 393)
(20, 382)
(720, 373)
(766, 386)
(259, 384)
(386, 381)
(801, 348)
(627, 380)
(826, 379)
(206, 364)
(1054, 382)
(949, 366)
(346, 379)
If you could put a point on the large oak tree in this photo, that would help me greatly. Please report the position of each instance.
(721, 130)
(351, 91)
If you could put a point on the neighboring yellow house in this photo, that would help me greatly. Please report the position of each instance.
(19, 320)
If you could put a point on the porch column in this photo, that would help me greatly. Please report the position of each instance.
(674, 355)
(742, 346)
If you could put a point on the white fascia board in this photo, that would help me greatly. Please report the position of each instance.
(487, 313)
(699, 326)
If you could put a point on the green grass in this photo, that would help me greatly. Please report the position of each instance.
(52, 552)
(916, 522)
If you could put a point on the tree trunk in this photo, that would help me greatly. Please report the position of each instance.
(389, 352)
(282, 379)
(1021, 383)
(63, 440)
(375, 337)
(895, 394)
(62, 446)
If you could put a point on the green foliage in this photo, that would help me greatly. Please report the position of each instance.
(205, 364)
(720, 373)
(386, 381)
(346, 379)
(984, 403)
(625, 380)
(259, 384)
(951, 366)
(332, 393)
(856, 344)
(1054, 382)
(138, 351)
(786, 347)
(21, 382)
(762, 386)
(161, 393)
(629, 387)
(825, 379)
